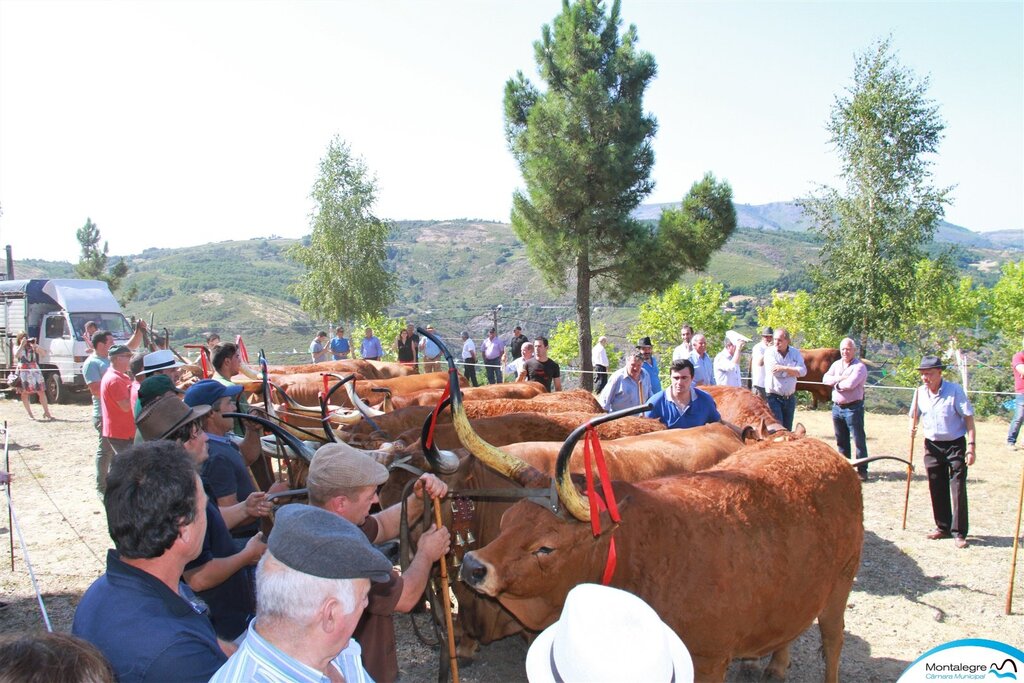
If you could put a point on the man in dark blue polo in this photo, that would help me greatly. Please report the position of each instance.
(148, 624)
(683, 405)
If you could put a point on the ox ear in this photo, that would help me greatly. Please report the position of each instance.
(749, 435)
(799, 429)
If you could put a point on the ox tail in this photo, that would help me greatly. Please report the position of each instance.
(873, 458)
(507, 465)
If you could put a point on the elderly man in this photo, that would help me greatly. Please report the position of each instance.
(727, 362)
(517, 368)
(344, 481)
(782, 365)
(703, 364)
(757, 362)
(684, 349)
(628, 386)
(312, 585)
(319, 348)
(469, 359)
(369, 347)
(146, 621)
(683, 405)
(493, 349)
(116, 398)
(599, 358)
(431, 353)
(948, 420)
(650, 363)
(847, 377)
(221, 575)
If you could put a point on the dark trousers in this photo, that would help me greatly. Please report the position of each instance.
(783, 408)
(947, 483)
(469, 370)
(850, 421)
(493, 366)
(104, 453)
(600, 377)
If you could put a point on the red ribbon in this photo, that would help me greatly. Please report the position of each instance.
(597, 504)
(323, 394)
(241, 348)
(203, 363)
(436, 411)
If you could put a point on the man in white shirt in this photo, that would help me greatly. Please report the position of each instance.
(517, 367)
(727, 362)
(469, 359)
(683, 350)
(782, 365)
(757, 362)
(599, 357)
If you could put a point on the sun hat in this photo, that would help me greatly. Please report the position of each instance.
(931, 363)
(644, 341)
(208, 391)
(164, 416)
(320, 543)
(338, 465)
(607, 634)
(154, 387)
(160, 360)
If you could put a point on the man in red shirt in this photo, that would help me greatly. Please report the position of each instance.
(1018, 387)
(116, 398)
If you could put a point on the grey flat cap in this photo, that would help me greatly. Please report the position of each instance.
(338, 465)
(320, 543)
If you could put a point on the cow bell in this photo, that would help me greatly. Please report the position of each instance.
(470, 538)
(459, 541)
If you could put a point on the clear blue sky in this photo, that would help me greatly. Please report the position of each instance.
(180, 123)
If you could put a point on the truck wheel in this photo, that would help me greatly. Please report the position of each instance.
(54, 389)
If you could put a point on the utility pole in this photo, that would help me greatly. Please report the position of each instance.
(494, 317)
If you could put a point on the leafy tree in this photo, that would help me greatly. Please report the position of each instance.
(583, 147)
(563, 344)
(941, 306)
(345, 259)
(386, 329)
(873, 229)
(798, 314)
(701, 305)
(92, 265)
(1007, 311)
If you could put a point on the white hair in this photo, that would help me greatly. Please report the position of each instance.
(290, 595)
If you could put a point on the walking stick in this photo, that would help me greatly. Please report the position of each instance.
(910, 459)
(1016, 539)
(7, 469)
(446, 600)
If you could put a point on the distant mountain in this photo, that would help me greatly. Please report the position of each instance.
(788, 216)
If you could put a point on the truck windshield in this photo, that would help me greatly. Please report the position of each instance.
(114, 323)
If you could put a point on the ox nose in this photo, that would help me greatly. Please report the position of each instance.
(472, 571)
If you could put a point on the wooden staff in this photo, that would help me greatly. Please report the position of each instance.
(446, 600)
(910, 458)
(7, 468)
(1016, 539)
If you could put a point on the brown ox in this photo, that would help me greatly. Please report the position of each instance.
(738, 560)
(430, 397)
(653, 454)
(818, 361)
(743, 408)
(305, 388)
(370, 369)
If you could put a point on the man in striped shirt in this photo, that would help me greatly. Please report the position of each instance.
(311, 588)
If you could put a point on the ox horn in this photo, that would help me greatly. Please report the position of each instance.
(575, 504)
(325, 418)
(512, 467)
(445, 462)
(300, 449)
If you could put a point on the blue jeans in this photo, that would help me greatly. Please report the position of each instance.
(1018, 420)
(783, 408)
(847, 421)
(493, 370)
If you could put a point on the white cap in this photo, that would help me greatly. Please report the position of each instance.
(735, 337)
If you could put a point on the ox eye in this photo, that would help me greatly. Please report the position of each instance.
(543, 550)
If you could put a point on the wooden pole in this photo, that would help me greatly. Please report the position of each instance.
(7, 468)
(1016, 543)
(446, 601)
(910, 458)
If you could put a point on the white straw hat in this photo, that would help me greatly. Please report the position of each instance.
(607, 634)
(735, 337)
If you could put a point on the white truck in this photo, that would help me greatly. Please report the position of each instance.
(55, 313)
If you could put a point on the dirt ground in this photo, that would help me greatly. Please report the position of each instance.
(911, 594)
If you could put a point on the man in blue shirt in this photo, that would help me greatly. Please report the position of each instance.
(370, 348)
(340, 346)
(146, 622)
(682, 405)
(431, 353)
(627, 387)
(703, 364)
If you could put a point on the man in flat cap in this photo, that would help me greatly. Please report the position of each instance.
(344, 481)
(947, 416)
(312, 587)
(148, 623)
(116, 399)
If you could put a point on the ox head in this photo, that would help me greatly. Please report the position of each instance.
(536, 559)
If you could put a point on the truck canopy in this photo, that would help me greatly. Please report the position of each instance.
(31, 289)
(74, 296)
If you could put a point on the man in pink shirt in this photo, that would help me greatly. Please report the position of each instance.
(116, 398)
(847, 377)
(1018, 387)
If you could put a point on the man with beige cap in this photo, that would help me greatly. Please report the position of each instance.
(344, 481)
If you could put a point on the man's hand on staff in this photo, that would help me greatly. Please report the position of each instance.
(434, 487)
